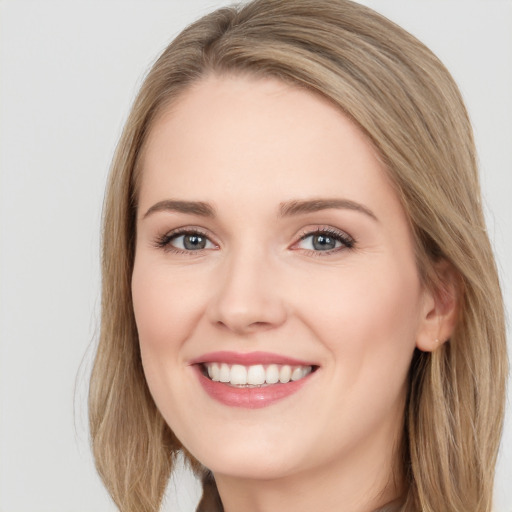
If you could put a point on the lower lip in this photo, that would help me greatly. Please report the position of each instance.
(250, 398)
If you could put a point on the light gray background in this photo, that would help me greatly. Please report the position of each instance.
(68, 73)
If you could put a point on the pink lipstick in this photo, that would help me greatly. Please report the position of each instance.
(251, 380)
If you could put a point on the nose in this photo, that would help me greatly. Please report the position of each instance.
(247, 296)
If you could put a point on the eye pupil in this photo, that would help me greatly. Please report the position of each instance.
(194, 242)
(323, 242)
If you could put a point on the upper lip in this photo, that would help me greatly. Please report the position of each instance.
(248, 358)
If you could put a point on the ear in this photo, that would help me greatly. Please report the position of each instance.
(440, 308)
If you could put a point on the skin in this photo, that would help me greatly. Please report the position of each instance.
(246, 146)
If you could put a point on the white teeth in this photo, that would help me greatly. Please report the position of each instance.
(238, 375)
(285, 373)
(214, 371)
(297, 373)
(272, 374)
(224, 373)
(255, 375)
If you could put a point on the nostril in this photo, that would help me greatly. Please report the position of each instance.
(259, 325)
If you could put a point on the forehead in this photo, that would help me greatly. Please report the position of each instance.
(238, 136)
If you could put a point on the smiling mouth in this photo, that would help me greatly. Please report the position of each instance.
(255, 376)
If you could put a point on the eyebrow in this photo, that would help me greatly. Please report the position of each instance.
(192, 207)
(286, 209)
(314, 205)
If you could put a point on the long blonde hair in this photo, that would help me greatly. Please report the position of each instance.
(408, 105)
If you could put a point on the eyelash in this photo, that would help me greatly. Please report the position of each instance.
(164, 241)
(347, 242)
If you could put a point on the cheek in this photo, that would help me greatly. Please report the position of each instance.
(368, 318)
(166, 308)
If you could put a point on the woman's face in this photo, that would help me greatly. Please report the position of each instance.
(273, 252)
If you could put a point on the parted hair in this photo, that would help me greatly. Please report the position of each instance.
(405, 101)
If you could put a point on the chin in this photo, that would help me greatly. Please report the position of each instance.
(251, 468)
(247, 460)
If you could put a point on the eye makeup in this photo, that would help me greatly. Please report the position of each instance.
(324, 241)
(319, 241)
(193, 240)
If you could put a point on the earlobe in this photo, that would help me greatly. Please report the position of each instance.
(441, 306)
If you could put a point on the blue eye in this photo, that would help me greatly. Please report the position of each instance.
(188, 241)
(324, 241)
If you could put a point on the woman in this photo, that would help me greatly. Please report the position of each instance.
(299, 292)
